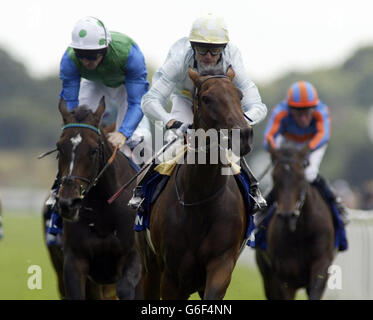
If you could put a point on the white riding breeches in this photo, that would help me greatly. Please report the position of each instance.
(315, 157)
(91, 93)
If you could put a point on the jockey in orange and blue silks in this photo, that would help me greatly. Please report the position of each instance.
(283, 122)
(302, 118)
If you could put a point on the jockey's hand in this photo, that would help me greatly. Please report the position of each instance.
(117, 139)
(173, 124)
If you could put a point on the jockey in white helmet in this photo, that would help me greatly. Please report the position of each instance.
(206, 48)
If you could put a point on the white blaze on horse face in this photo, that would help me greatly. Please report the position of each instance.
(75, 142)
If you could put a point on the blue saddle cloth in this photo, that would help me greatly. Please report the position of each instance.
(259, 239)
(149, 188)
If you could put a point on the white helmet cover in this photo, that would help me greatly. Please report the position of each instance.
(90, 33)
(209, 29)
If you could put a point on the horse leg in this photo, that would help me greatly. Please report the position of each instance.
(126, 286)
(270, 282)
(151, 281)
(318, 279)
(56, 255)
(170, 289)
(75, 273)
(93, 291)
(218, 276)
(150, 271)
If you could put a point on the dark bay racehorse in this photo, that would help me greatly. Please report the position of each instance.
(197, 225)
(300, 234)
(98, 239)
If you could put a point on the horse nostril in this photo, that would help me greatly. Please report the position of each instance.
(66, 204)
(285, 215)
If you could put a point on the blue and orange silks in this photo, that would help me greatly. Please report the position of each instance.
(282, 123)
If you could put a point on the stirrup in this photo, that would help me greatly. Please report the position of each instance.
(135, 202)
(258, 204)
(137, 198)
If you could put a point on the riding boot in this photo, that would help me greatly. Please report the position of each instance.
(260, 216)
(255, 194)
(53, 221)
(138, 196)
(322, 185)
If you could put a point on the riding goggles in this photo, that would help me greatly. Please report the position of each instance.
(214, 51)
(91, 55)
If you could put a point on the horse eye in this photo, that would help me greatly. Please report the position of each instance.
(94, 151)
(206, 100)
(240, 94)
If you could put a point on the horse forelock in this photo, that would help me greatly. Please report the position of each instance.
(83, 114)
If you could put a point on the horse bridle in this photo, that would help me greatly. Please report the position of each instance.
(197, 91)
(300, 202)
(70, 179)
(196, 106)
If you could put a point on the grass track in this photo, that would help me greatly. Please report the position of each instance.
(23, 246)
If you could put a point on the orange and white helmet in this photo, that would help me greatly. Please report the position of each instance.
(90, 33)
(209, 29)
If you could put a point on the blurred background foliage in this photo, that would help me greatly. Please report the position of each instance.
(29, 118)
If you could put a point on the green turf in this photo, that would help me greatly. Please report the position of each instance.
(23, 246)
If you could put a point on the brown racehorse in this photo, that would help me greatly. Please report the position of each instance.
(300, 234)
(197, 225)
(98, 238)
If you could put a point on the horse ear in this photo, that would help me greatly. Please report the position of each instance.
(62, 107)
(272, 152)
(100, 109)
(109, 128)
(230, 73)
(194, 76)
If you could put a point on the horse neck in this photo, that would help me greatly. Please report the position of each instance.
(109, 182)
(203, 180)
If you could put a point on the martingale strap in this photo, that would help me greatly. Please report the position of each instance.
(81, 125)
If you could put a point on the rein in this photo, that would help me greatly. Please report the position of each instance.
(197, 203)
(93, 182)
